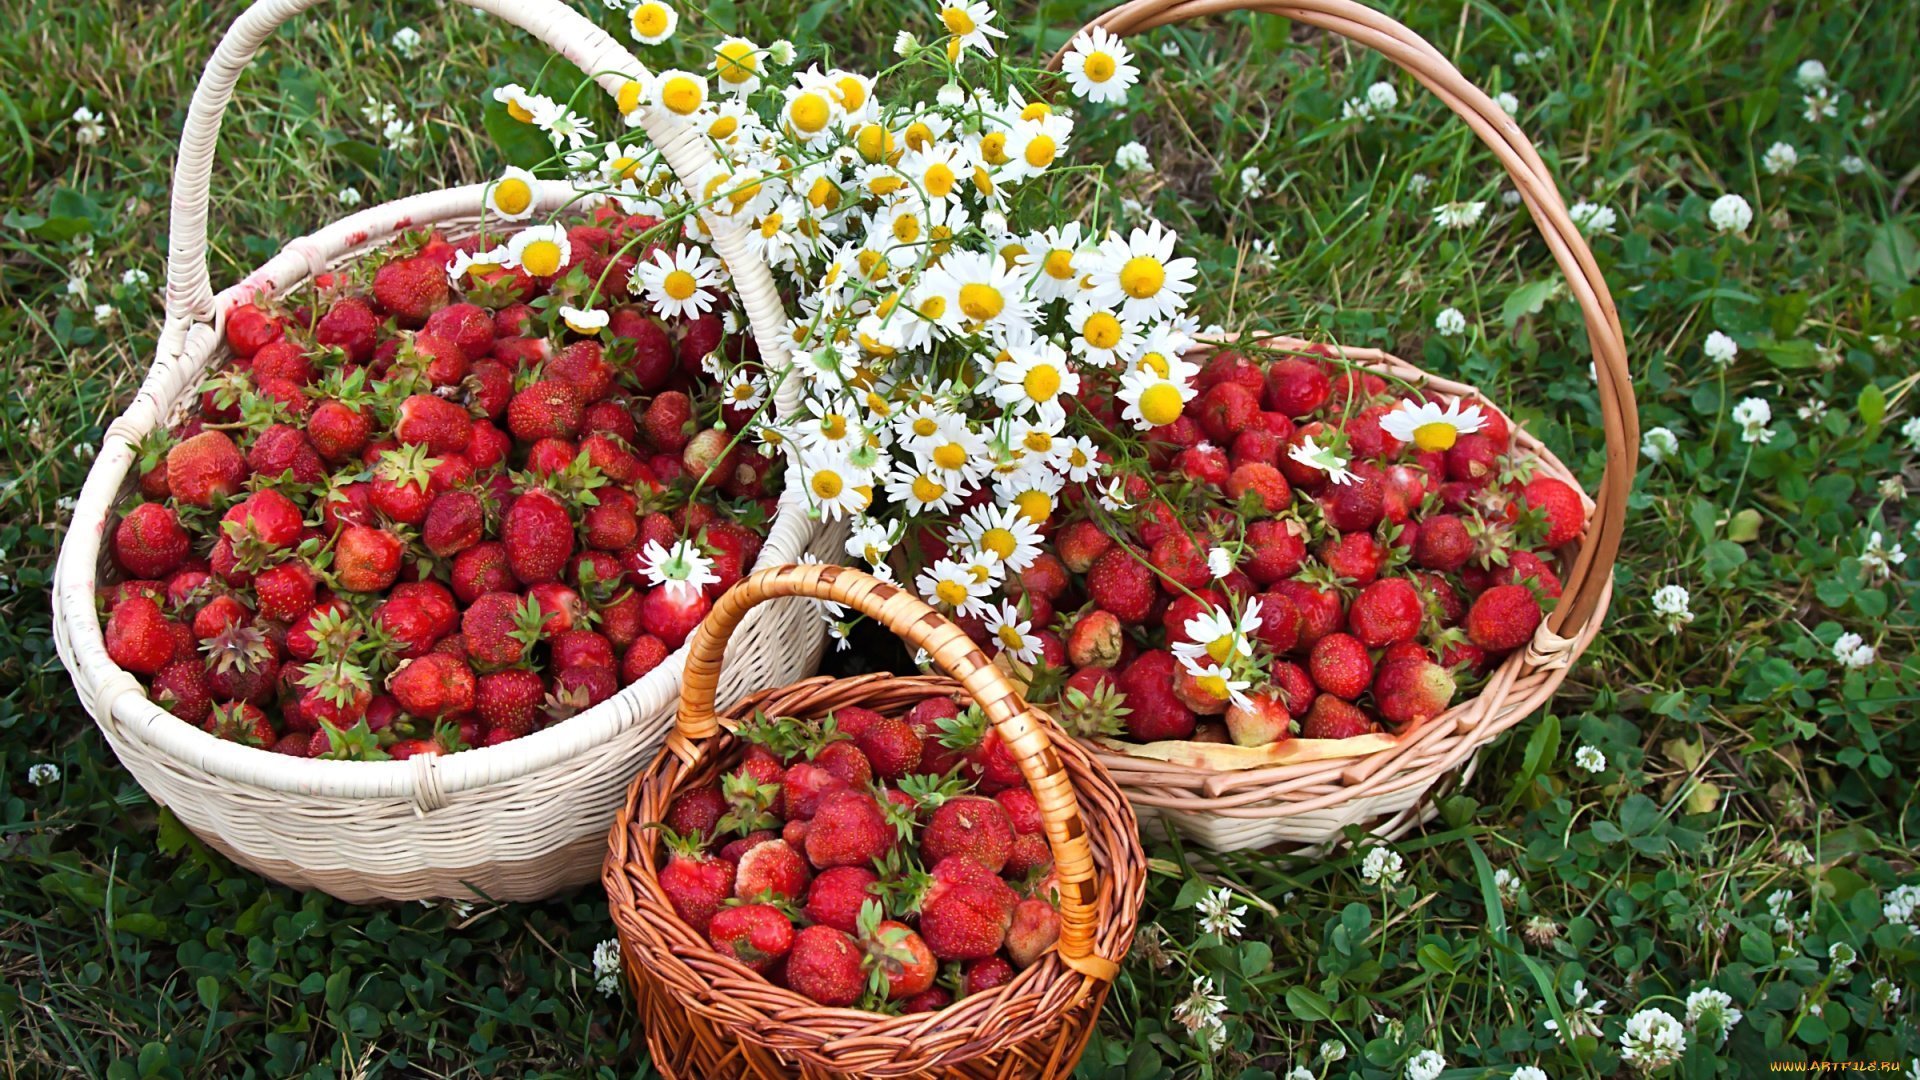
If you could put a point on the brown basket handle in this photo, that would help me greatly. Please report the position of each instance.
(1023, 728)
(1586, 584)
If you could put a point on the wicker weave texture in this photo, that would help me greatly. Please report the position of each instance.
(709, 1017)
(517, 821)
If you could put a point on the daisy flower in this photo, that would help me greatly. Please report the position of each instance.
(935, 170)
(1152, 399)
(588, 321)
(1099, 336)
(1221, 683)
(541, 250)
(999, 532)
(1099, 67)
(808, 114)
(1034, 144)
(744, 391)
(677, 285)
(682, 569)
(1458, 215)
(1078, 458)
(832, 424)
(681, 93)
(871, 540)
(1034, 376)
(1047, 262)
(834, 485)
(1324, 458)
(736, 63)
(1431, 426)
(522, 105)
(1031, 491)
(1140, 275)
(1113, 495)
(986, 294)
(957, 452)
(652, 22)
(923, 489)
(970, 26)
(951, 586)
(563, 126)
(511, 196)
(1013, 635)
(1216, 635)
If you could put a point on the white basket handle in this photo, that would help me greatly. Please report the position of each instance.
(189, 289)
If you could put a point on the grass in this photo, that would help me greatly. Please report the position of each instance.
(1755, 812)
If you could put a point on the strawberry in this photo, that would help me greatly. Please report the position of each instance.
(454, 522)
(1385, 612)
(1096, 640)
(1410, 691)
(250, 329)
(1268, 721)
(1122, 585)
(481, 568)
(896, 954)
(1259, 489)
(1296, 388)
(1226, 410)
(1155, 712)
(435, 422)
(366, 559)
(582, 366)
(890, 745)
(538, 535)
(667, 421)
(433, 686)
(965, 912)
(1443, 543)
(338, 431)
(1080, 544)
(1275, 551)
(1340, 666)
(700, 335)
(645, 654)
(1525, 566)
(697, 812)
(1503, 618)
(1332, 718)
(181, 688)
(351, 326)
(1566, 514)
(467, 326)
(838, 894)
(410, 289)
(549, 409)
(808, 787)
(1403, 488)
(1203, 463)
(925, 719)
(509, 700)
(757, 935)
(671, 614)
(205, 469)
(1358, 505)
(137, 635)
(1179, 560)
(1035, 927)
(283, 361)
(984, 975)
(243, 665)
(971, 826)
(695, 883)
(652, 360)
(218, 615)
(499, 627)
(1472, 459)
(149, 542)
(827, 966)
(241, 722)
(285, 591)
(849, 829)
(773, 868)
(1356, 556)
(579, 688)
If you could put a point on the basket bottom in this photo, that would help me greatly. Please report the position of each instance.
(687, 1046)
(534, 878)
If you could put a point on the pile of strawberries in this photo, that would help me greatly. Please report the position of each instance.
(1377, 596)
(894, 863)
(413, 518)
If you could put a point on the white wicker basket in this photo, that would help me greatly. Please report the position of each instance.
(512, 822)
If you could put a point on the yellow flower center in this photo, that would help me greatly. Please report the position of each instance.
(809, 112)
(681, 95)
(924, 426)
(1102, 330)
(827, 484)
(770, 226)
(512, 195)
(1038, 441)
(1213, 685)
(743, 392)
(1160, 404)
(1142, 276)
(878, 405)
(939, 180)
(1154, 362)
(951, 593)
(959, 22)
(981, 302)
(1036, 506)
(649, 20)
(999, 541)
(933, 307)
(918, 135)
(521, 113)
(1040, 151)
(628, 99)
(824, 194)
(873, 265)
(723, 126)
(1042, 383)
(993, 147)
(1011, 638)
(1438, 435)
(833, 426)
(1220, 648)
(950, 456)
(1099, 67)
(736, 62)
(1059, 264)
(679, 284)
(852, 94)
(1035, 110)
(906, 228)
(541, 258)
(982, 181)
(874, 142)
(928, 490)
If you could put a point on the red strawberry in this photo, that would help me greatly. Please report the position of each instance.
(509, 700)
(757, 935)
(1566, 514)
(1443, 543)
(1356, 556)
(242, 665)
(149, 542)
(1204, 463)
(138, 637)
(984, 975)
(1081, 544)
(972, 826)
(838, 894)
(1403, 489)
(433, 686)
(1340, 666)
(1503, 618)
(351, 326)
(1357, 505)
(697, 812)
(890, 745)
(241, 722)
(807, 786)
(366, 559)
(181, 688)
(454, 522)
(468, 326)
(250, 329)
(1332, 718)
(284, 361)
(1296, 387)
(849, 829)
(1524, 566)
(1409, 691)
(499, 627)
(1268, 721)
(410, 289)
(1096, 640)
(1472, 459)
(1035, 927)
(285, 591)
(1179, 560)
(1275, 551)
(773, 868)
(581, 366)
(338, 431)
(653, 360)
(538, 535)
(898, 954)
(1266, 484)
(645, 654)
(966, 911)
(439, 424)
(695, 883)
(219, 614)
(1385, 612)
(827, 966)
(1155, 712)
(205, 469)
(666, 422)
(670, 614)
(479, 569)
(700, 336)
(1226, 410)
(1123, 585)
(550, 409)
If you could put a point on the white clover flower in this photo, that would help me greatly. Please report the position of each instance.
(77, 288)
(1425, 1065)
(1381, 96)
(1753, 415)
(1842, 954)
(1583, 1015)
(1450, 322)
(1593, 218)
(1878, 558)
(1510, 197)
(1507, 102)
(1219, 915)
(606, 967)
(43, 774)
(348, 196)
(1509, 886)
(781, 52)
(1653, 1040)
(1730, 214)
(1810, 73)
(1418, 183)
(1529, 1072)
(89, 127)
(104, 313)
(905, 43)
(1132, 157)
(400, 135)
(1201, 1011)
(1813, 412)
(406, 41)
(1253, 181)
(1382, 866)
(1673, 604)
(1458, 215)
(135, 277)
(1658, 444)
(1853, 164)
(1713, 1012)
(1590, 758)
(1910, 431)
(1902, 905)
(1852, 651)
(1780, 159)
(1819, 105)
(1299, 1072)
(1720, 348)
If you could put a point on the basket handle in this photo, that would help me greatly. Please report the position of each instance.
(1024, 729)
(189, 290)
(1586, 584)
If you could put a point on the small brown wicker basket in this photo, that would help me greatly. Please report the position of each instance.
(1385, 784)
(710, 1018)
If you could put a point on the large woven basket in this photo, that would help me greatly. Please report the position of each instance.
(709, 1018)
(517, 821)
(1385, 785)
